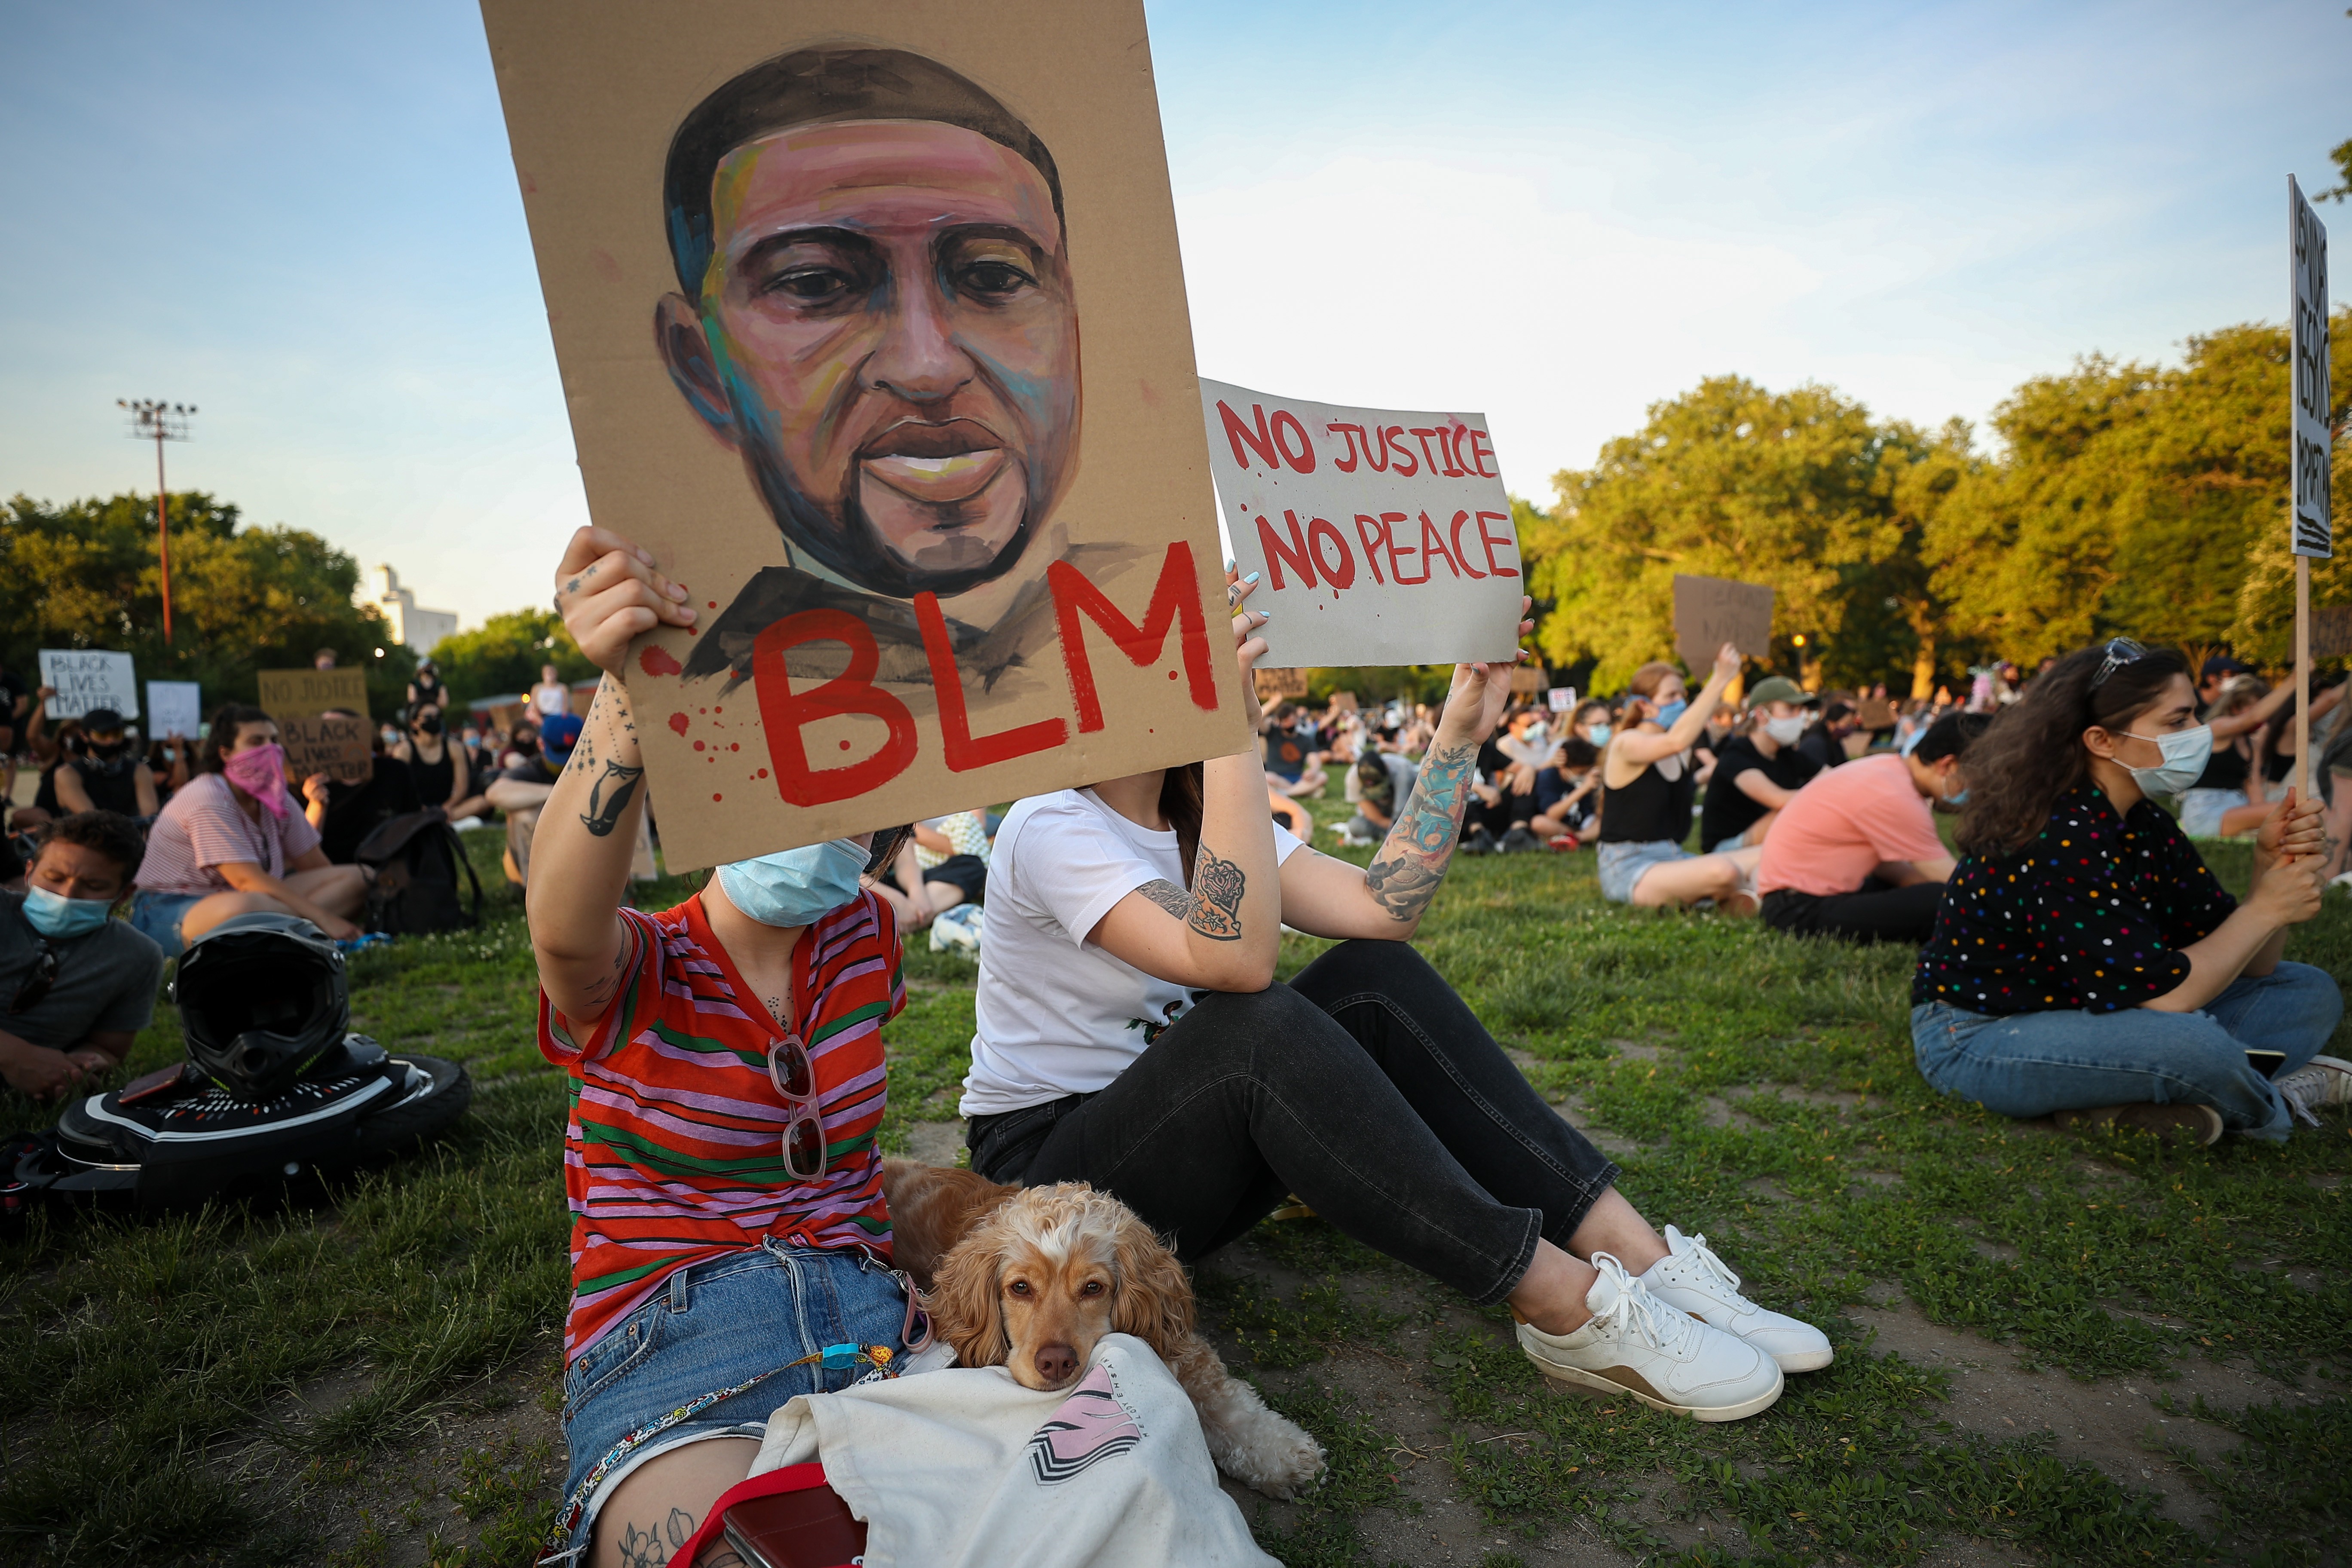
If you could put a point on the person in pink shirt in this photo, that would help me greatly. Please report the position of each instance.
(1854, 854)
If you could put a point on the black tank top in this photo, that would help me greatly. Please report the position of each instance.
(1651, 808)
(434, 780)
(111, 784)
(2227, 767)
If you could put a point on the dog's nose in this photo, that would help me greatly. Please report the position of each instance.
(1056, 1364)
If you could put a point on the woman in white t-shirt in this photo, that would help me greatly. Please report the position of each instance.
(1131, 1034)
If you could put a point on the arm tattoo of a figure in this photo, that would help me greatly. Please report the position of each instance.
(1217, 888)
(1167, 896)
(1413, 859)
(609, 796)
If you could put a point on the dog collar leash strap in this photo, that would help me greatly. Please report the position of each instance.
(837, 1357)
(914, 1310)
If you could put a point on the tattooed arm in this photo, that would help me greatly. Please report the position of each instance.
(1328, 897)
(1222, 933)
(587, 831)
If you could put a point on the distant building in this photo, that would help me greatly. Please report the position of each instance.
(416, 628)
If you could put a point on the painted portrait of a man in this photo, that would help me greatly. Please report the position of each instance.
(875, 310)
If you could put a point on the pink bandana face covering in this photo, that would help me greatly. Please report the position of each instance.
(260, 772)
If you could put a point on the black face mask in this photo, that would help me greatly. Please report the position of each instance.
(106, 751)
(429, 726)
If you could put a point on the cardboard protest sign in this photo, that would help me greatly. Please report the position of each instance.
(1712, 611)
(1275, 685)
(340, 748)
(295, 692)
(2331, 632)
(175, 707)
(1560, 698)
(1384, 537)
(818, 305)
(2315, 525)
(85, 678)
(1874, 712)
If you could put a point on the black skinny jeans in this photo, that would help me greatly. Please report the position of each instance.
(1878, 911)
(1366, 1086)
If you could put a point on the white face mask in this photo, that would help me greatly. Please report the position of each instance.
(2186, 752)
(1787, 732)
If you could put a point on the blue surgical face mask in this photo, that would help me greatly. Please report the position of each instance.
(1598, 732)
(53, 914)
(1672, 711)
(2185, 752)
(794, 887)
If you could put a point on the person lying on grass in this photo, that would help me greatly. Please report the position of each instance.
(727, 1218)
(1131, 1034)
(77, 984)
(2085, 962)
(1649, 777)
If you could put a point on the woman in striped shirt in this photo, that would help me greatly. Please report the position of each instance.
(719, 1161)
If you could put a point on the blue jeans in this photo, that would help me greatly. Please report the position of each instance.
(713, 1326)
(156, 916)
(2032, 1063)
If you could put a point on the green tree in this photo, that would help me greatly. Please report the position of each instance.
(1796, 489)
(244, 599)
(2130, 498)
(503, 655)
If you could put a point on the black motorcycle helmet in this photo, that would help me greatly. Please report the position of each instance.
(260, 997)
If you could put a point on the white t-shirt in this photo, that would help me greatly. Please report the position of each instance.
(1056, 1016)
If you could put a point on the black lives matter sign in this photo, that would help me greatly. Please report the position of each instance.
(2308, 253)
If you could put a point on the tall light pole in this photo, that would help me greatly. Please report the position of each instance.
(159, 421)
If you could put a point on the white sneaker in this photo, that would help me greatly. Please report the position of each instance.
(1693, 1278)
(1636, 1345)
(2321, 1081)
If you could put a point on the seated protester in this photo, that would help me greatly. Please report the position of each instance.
(2274, 742)
(1288, 741)
(168, 761)
(522, 789)
(1825, 743)
(231, 842)
(2224, 801)
(1503, 790)
(1720, 725)
(720, 1161)
(1855, 854)
(1591, 723)
(78, 985)
(2086, 962)
(917, 892)
(1567, 793)
(1131, 1034)
(1759, 773)
(1379, 784)
(345, 811)
(1647, 783)
(107, 775)
(442, 773)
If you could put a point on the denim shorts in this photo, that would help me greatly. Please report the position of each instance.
(156, 917)
(1621, 865)
(2201, 810)
(713, 1326)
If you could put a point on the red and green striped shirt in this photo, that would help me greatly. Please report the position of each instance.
(674, 1152)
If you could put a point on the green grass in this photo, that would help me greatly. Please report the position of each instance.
(212, 1388)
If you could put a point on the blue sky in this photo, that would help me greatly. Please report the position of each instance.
(304, 219)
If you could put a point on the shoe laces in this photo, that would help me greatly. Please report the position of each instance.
(1697, 1251)
(1637, 1314)
(2302, 1089)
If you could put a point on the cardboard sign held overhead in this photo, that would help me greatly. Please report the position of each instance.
(175, 707)
(1275, 685)
(818, 304)
(85, 678)
(1712, 611)
(294, 693)
(339, 748)
(1384, 537)
(2331, 632)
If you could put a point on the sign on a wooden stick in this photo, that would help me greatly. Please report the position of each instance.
(2314, 533)
(1712, 611)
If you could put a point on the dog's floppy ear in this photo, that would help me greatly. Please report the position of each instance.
(962, 1299)
(1154, 1301)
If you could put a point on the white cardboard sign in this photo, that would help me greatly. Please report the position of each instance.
(1384, 537)
(2307, 310)
(175, 707)
(87, 678)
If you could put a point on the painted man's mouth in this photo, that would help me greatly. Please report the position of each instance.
(937, 464)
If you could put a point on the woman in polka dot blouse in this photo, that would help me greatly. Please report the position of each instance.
(2085, 962)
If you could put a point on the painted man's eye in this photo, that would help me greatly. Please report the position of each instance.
(995, 279)
(811, 285)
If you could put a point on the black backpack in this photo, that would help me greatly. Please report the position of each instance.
(417, 858)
